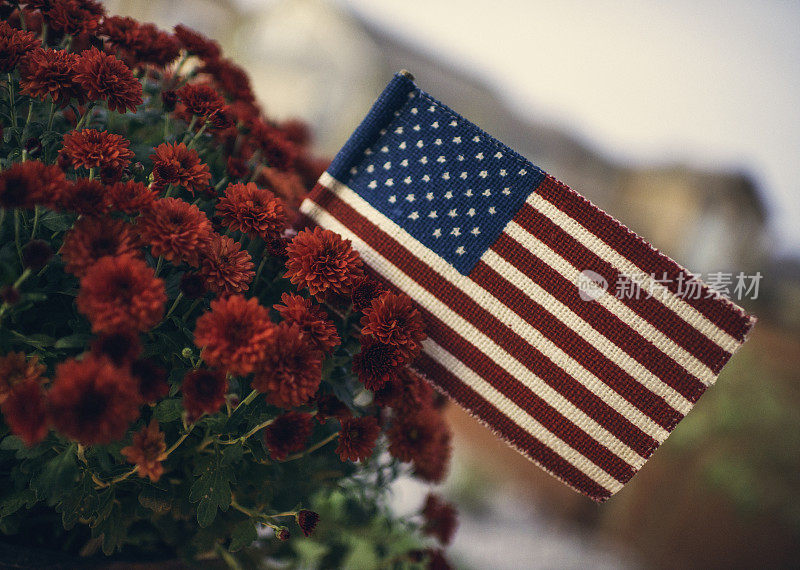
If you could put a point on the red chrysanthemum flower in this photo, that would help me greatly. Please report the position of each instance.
(203, 392)
(291, 368)
(237, 168)
(405, 392)
(193, 285)
(329, 406)
(424, 439)
(437, 560)
(92, 401)
(104, 77)
(321, 260)
(14, 44)
(175, 229)
(16, 368)
(277, 151)
(51, 73)
(122, 32)
(154, 47)
(288, 434)
(25, 411)
(75, 17)
(30, 183)
(131, 197)
(196, 43)
(365, 290)
(151, 380)
(393, 319)
(234, 334)
(200, 99)
(377, 363)
(357, 438)
(94, 149)
(296, 131)
(312, 320)
(84, 196)
(231, 78)
(307, 521)
(93, 238)
(252, 210)
(121, 293)
(147, 451)
(441, 519)
(174, 163)
(226, 267)
(121, 348)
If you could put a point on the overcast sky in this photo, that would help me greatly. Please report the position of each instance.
(714, 84)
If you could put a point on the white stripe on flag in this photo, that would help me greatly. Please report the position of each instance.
(674, 303)
(505, 406)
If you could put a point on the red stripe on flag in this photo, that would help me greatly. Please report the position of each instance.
(499, 333)
(650, 309)
(587, 355)
(607, 323)
(726, 316)
(511, 432)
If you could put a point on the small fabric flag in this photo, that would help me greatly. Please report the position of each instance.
(515, 275)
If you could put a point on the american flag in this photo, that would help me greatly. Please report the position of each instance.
(511, 270)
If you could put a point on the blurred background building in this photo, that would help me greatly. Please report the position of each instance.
(724, 491)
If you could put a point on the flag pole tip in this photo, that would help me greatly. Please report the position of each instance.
(406, 73)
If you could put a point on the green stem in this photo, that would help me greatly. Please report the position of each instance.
(253, 431)
(220, 184)
(84, 118)
(24, 136)
(159, 264)
(16, 235)
(91, 173)
(168, 193)
(174, 305)
(21, 279)
(260, 268)
(44, 34)
(313, 448)
(191, 309)
(189, 129)
(197, 135)
(51, 115)
(36, 211)
(180, 64)
(11, 102)
(166, 126)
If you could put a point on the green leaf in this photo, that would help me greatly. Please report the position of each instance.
(57, 477)
(57, 222)
(243, 535)
(112, 529)
(79, 503)
(213, 491)
(14, 501)
(155, 499)
(168, 410)
(73, 341)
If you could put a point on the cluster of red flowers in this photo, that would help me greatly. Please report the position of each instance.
(148, 232)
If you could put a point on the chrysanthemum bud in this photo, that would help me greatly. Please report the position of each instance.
(283, 534)
(307, 521)
(9, 295)
(137, 168)
(35, 254)
(34, 146)
(169, 99)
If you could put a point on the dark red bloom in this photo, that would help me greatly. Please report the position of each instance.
(84, 196)
(51, 73)
(131, 197)
(169, 99)
(174, 163)
(153, 47)
(405, 392)
(31, 183)
(16, 368)
(92, 238)
(277, 151)
(35, 254)
(312, 320)
(92, 401)
(365, 290)
(291, 368)
(288, 434)
(14, 44)
(234, 334)
(203, 392)
(147, 451)
(226, 267)
(231, 78)
(424, 439)
(393, 319)
(441, 519)
(296, 131)
(10, 295)
(121, 348)
(252, 210)
(357, 438)
(237, 168)
(89, 148)
(175, 229)
(75, 17)
(193, 285)
(196, 43)
(200, 99)
(151, 380)
(437, 560)
(377, 363)
(307, 521)
(104, 77)
(321, 260)
(25, 411)
(329, 406)
(121, 293)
